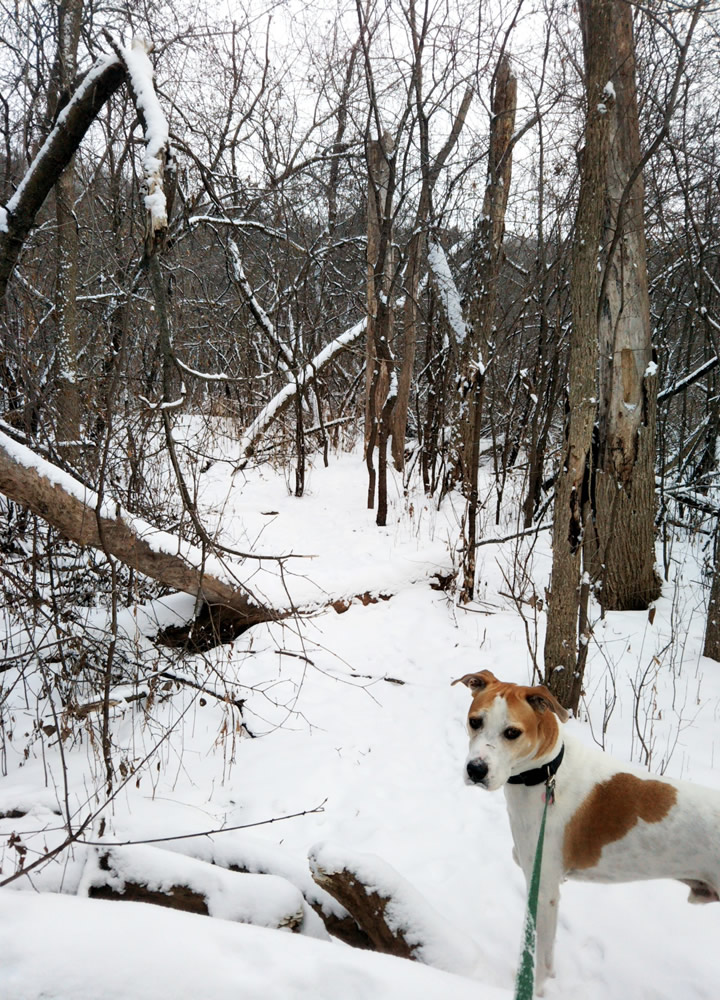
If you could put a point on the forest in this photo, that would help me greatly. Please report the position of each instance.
(346, 347)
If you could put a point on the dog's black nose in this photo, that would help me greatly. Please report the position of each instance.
(477, 770)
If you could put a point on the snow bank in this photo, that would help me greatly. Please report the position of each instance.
(66, 948)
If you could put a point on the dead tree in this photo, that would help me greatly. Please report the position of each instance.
(623, 536)
(604, 505)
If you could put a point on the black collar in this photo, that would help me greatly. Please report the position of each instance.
(538, 774)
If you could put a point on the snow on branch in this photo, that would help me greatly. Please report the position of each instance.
(248, 224)
(261, 317)
(447, 290)
(79, 514)
(685, 383)
(18, 216)
(155, 127)
(310, 372)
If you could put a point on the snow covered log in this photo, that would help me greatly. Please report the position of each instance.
(80, 515)
(151, 875)
(241, 853)
(397, 919)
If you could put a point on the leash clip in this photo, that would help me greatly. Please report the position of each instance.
(550, 790)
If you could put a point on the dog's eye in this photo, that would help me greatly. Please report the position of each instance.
(476, 721)
(511, 733)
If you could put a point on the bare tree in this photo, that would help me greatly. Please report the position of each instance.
(623, 528)
(572, 489)
(486, 261)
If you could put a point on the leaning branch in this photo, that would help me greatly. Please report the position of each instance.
(18, 216)
(261, 317)
(158, 158)
(691, 379)
(303, 378)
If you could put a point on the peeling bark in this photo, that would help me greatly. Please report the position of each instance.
(623, 540)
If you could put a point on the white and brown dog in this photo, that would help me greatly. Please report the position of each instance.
(610, 822)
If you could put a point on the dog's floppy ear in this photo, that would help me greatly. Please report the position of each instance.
(541, 700)
(476, 682)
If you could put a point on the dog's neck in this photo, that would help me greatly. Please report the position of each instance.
(543, 772)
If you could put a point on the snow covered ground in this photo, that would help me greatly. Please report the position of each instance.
(355, 724)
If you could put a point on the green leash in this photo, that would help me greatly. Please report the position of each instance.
(525, 981)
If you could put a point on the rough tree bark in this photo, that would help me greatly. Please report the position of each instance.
(711, 647)
(69, 15)
(380, 385)
(572, 485)
(487, 259)
(623, 539)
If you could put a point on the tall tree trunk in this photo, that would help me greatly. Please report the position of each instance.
(487, 258)
(69, 14)
(379, 401)
(572, 486)
(624, 478)
(712, 627)
(379, 272)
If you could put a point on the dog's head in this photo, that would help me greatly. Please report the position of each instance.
(511, 728)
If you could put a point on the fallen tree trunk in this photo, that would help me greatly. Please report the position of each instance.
(396, 918)
(151, 875)
(237, 854)
(83, 517)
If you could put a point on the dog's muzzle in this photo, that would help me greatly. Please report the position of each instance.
(477, 771)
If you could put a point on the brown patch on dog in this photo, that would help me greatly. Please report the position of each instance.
(609, 812)
(534, 710)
